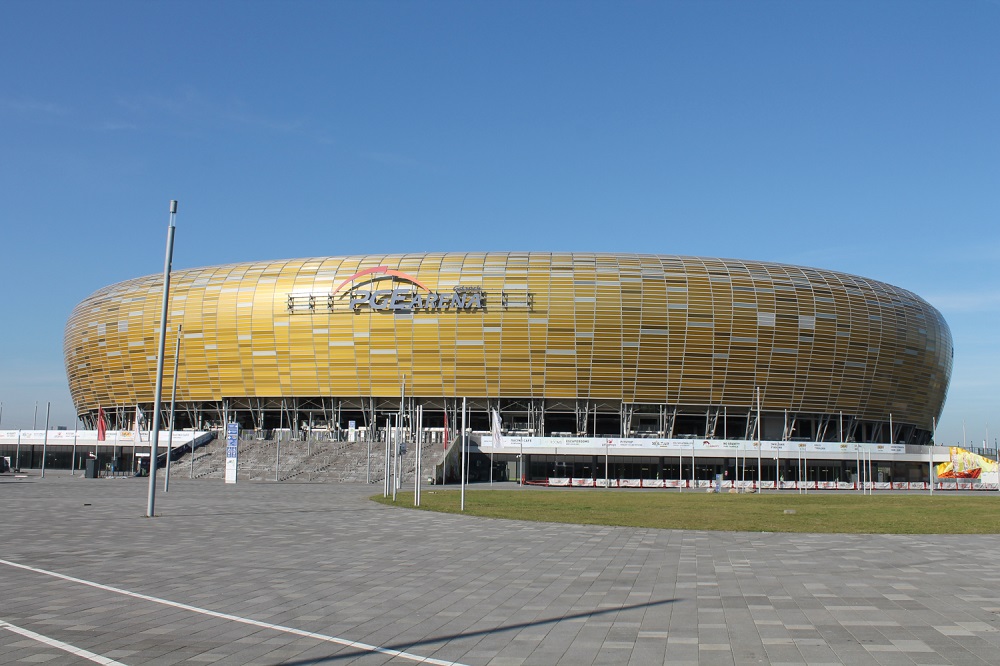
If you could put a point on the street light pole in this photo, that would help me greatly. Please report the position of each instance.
(155, 437)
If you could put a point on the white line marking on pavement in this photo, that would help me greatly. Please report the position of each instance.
(65, 647)
(243, 620)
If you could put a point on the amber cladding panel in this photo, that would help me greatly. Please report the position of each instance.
(632, 328)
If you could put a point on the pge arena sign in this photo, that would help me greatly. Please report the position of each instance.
(407, 299)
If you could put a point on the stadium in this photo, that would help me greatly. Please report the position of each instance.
(655, 357)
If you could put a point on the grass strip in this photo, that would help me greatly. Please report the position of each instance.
(847, 513)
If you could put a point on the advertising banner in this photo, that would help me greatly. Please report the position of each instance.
(90, 437)
(967, 466)
(680, 446)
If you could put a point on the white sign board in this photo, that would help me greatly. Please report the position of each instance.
(232, 451)
(743, 447)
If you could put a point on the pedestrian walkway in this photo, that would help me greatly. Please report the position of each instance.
(315, 573)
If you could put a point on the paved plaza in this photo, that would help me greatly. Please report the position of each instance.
(266, 573)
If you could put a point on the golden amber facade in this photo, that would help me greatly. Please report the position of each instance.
(640, 329)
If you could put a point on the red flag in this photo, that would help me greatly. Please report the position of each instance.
(446, 429)
(100, 424)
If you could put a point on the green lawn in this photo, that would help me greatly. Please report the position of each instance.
(848, 512)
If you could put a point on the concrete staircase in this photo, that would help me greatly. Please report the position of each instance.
(301, 461)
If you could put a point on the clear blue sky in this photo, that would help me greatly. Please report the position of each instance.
(854, 136)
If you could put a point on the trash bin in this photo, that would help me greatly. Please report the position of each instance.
(91, 472)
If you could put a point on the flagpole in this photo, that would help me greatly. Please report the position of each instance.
(173, 398)
(101, 434)
(492, 449)
(155, 436)
(607, 444)
(397, 468)
(694, 483)
(418, 445)
(394, 457)
(72, 460)
(385, 481)
(760, 443)
(930, 455)
(520, 462)
(277, 444)
(462, 470)
(45, 440)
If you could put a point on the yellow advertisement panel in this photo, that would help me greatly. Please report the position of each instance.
(965, 465)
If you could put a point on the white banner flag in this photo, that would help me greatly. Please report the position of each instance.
(497, 437)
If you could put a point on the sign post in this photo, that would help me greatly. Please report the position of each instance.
(232, 451)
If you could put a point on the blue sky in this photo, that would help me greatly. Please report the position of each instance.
(854, 136)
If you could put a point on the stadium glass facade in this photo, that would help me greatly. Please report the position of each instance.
(600, 345)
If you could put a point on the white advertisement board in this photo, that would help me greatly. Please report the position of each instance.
(722, 446)
(232, 451)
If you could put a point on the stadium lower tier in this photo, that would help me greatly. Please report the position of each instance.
(545, 418)
(586, 462)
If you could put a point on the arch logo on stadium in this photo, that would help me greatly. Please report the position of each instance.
(405, 299)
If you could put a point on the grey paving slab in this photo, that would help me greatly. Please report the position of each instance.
(322, 558)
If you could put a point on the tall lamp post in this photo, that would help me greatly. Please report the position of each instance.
(155, 437)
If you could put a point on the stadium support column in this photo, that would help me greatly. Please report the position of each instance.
(154, 439)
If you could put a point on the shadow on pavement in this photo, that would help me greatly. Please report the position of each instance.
(405, 647)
